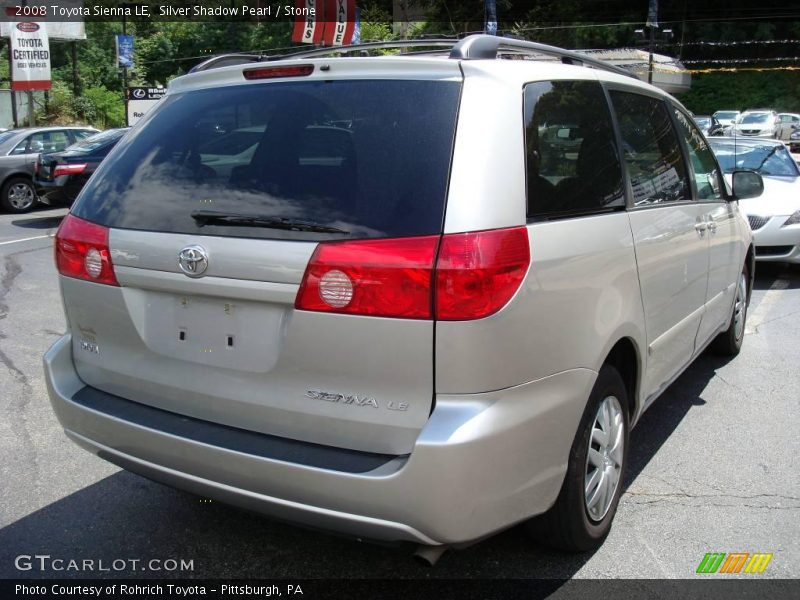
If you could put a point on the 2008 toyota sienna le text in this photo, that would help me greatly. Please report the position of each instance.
(413, 298)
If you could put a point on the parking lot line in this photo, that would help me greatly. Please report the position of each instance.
(37, 237)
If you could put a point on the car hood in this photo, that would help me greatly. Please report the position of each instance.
(781, 197)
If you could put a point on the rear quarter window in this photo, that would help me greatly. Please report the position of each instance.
(572, 158)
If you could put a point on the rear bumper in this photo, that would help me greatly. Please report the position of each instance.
(482, 463)
(52, 192)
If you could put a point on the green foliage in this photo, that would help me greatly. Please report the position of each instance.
(742, 90)
(109, 110)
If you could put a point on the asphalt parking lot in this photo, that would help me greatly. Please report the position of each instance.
(714, 467)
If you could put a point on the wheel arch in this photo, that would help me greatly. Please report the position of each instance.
(14, 174)
(750, 261)
(626, 358)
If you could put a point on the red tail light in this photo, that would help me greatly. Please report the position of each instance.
(82, 251)
(36, 167)
(478, 273)
(387, 278)
(273, 72)
(69, 169)
(475, 275)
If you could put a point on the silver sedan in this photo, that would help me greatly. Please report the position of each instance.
(19, 149)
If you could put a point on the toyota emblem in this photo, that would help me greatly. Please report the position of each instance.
(193, 261)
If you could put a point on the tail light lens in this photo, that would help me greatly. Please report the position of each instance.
(273, 72)
(73, 169)
(82, 251)
(386, 278)
(475, 275)
(478, 273)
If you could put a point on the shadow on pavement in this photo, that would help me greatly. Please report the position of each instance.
(126, 516)
(48, 222)
(776, 276)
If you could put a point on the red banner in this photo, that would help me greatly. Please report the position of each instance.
(309, 29)
(332, 22)
(341, 21)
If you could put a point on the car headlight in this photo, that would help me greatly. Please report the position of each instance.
(793, 220)
(795, 135)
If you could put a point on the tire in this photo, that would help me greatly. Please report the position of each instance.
(575, 523)
(18, 195)
(729, 342)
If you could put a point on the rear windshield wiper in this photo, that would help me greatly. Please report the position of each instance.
(211, 217)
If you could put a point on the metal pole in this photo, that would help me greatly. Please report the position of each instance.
(31, 116)
(650, 62)
(14, 115)
(76, 83)
(125, 76)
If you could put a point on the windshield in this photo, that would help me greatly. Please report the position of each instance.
(728, 114)
(94, 142)
(771, 159)
(755, 118)
(703, 121)
(370, 157)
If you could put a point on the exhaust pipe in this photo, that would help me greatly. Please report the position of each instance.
(429, 555)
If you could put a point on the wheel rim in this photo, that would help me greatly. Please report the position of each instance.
(604, 458)
(739, 307)
(20, 196)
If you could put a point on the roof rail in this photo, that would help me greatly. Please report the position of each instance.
(473, 47)
(225, 60)
(355, 48)
(481, 46)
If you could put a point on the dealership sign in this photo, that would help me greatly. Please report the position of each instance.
(142, 99)
(30, 57)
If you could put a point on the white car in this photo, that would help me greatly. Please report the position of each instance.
(789, 122)
(756, 123)
(726, 118)
(775, 215)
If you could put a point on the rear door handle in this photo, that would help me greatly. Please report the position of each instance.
(712, 226)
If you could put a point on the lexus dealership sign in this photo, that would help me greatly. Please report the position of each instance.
(30, 57)
(142, 99)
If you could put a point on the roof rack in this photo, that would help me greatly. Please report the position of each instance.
(480, 46)
(358, 48)
(473, 47)
(225, 60)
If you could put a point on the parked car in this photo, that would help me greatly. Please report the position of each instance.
(774, 216)
(758, 123)
(19, 149)
(709, 125)
(726, 118)
(399, 328)
(789, 123)
(59, 176)
(794, 140)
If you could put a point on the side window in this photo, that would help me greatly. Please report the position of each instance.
(82, 134)
(704, 168)
(572, 159)
(22, 147)
(56, 141)
(652, 150)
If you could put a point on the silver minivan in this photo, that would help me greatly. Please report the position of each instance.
(419, 298)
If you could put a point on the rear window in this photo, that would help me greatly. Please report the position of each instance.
(371, 158)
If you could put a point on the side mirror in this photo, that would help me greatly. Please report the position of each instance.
(747, 184)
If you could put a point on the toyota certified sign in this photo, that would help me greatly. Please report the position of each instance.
(142, 99)
(30, 57)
